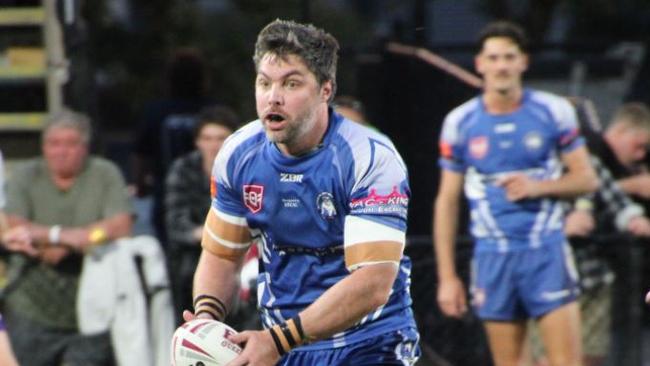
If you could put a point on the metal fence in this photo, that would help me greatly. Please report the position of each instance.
(462, 342)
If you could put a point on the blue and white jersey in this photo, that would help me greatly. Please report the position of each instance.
(487, 147)
(318, 217)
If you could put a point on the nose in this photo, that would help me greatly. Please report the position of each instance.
(275, 95)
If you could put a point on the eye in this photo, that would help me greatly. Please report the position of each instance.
(292, 84)
(262, 83)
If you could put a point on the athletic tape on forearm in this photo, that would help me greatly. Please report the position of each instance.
(288, 335)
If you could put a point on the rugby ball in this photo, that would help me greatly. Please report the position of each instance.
(203, 342)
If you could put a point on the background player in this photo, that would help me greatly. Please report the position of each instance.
(505, 146)
(327, 199)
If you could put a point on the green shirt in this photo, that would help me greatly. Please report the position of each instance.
(43, 292)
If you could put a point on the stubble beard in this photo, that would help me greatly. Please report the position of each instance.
(295, 129)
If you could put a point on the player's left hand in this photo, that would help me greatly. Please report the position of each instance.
(518, 187)
(258, 349)
(647, 298)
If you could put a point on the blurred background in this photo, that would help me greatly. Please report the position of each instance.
(113, 58)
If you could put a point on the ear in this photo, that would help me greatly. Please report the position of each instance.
(477, 64)
(326, 91)
(525, 61)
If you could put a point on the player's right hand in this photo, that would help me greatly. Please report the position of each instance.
(258, 348)
(451, 297)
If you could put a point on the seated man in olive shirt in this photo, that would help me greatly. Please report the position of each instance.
(59, 206)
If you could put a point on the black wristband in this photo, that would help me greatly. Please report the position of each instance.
(298, 323)
(211, 305)
(287, 334)
(277, 342)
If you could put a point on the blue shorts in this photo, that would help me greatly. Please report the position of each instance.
(394, 348)
(523, 284)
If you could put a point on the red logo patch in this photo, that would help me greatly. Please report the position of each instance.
(253, 195)
(478, 147)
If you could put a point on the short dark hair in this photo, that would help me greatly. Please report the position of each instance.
(216, 115)
(504, 28)
(317, 48)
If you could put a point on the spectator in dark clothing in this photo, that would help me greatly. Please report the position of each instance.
(622, 148)
(166, 130)
(187, 199)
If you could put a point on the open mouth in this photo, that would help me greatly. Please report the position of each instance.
(274, 120)
(274, 117)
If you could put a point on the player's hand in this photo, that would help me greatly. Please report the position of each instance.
(258, 349)
(19, 239)
(579, 223)
(451, 297)
(639, 226)
(519, 186)
(647, 298)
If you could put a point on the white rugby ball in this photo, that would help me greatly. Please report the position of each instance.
(203, 342)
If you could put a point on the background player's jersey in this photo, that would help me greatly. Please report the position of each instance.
(297, 208)
(487, 147)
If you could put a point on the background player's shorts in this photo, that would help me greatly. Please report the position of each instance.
(596, 320)
(524, 283)
(394, 348)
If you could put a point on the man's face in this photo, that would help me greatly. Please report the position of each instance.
(288, 96)
(210, 140)
(64, 151)
(630, 146)
(501, 63)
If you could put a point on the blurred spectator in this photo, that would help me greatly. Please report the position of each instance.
(59, 206)
(607, 210)
(350, 108)
(166, 130)
(517, 152)
(623, 148)
(7, 357)
(187, 199)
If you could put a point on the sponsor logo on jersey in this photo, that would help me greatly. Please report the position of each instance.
(253, 195)
(290, 178)
(445, 150)
(213, 187)
(325, 204)
(505, 128)
(533, 140)
(394, 202)
(290, 202)
(568, 137)
(478, 147)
